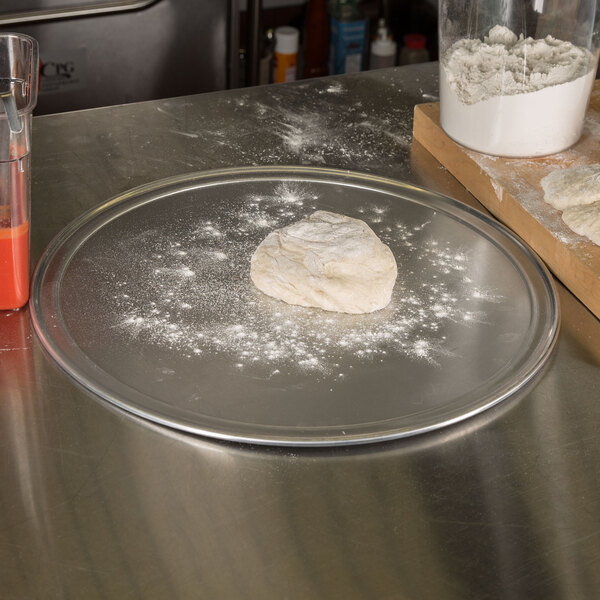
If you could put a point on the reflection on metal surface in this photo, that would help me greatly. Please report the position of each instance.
(363, 521)
(501, 506)
(75, 10)
(159, 277)
(107, 53)
(20, 425)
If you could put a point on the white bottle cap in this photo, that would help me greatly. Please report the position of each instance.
(286, 40)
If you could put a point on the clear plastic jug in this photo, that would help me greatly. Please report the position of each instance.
(18, 97)
(516, 75)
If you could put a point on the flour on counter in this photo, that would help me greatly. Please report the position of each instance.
(310, 136)
(312, 132)
(528, 196)
(515, 96)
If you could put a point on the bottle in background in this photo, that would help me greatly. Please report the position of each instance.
(266, 58)
(348, 34)
(414, 50)
(316, 39)
(285, 64)
(383, 48)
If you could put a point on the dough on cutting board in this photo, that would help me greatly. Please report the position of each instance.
(327, 261)
(576, 191)
(573, 186)
(584, 220)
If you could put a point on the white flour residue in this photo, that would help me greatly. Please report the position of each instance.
(196, 297)
(336, 88)
(528, 196)
(313, 138)
(498, 189)
(311, 132)
(591, 126)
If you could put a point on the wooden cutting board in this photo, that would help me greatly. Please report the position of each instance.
(510, 189)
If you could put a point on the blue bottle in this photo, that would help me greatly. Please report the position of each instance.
(348, 38)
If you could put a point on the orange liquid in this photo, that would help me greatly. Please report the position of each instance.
(14, 266)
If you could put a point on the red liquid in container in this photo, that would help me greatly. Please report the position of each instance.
(14, 266)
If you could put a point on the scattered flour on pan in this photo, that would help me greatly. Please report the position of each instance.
(196, 297)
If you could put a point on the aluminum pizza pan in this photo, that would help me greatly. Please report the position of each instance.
(147, 302)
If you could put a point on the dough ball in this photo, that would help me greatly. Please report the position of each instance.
(584, 220)
(326, 261)
(572, 187)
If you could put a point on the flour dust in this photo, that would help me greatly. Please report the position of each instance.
(192, 294)
(311, 132)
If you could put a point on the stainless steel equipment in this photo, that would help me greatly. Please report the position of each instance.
(98, 54)
(98, 504)
(162, 272)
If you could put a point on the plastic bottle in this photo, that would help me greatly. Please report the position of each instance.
(383, 48)
(285, 64)
(414, 49)
(316, 39)
(19, 62)
(266, 59)
(348, 34)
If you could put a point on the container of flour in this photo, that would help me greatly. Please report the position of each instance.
(516, 76)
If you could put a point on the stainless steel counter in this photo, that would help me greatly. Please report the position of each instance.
(95, 503)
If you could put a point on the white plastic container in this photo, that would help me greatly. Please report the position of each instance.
(383, 48)
(516, 76)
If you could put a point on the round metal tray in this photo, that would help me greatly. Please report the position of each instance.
(147, 302)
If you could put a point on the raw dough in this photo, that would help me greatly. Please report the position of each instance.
(576, 191)
(327, 261)
(572, 187)
(584, 220)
